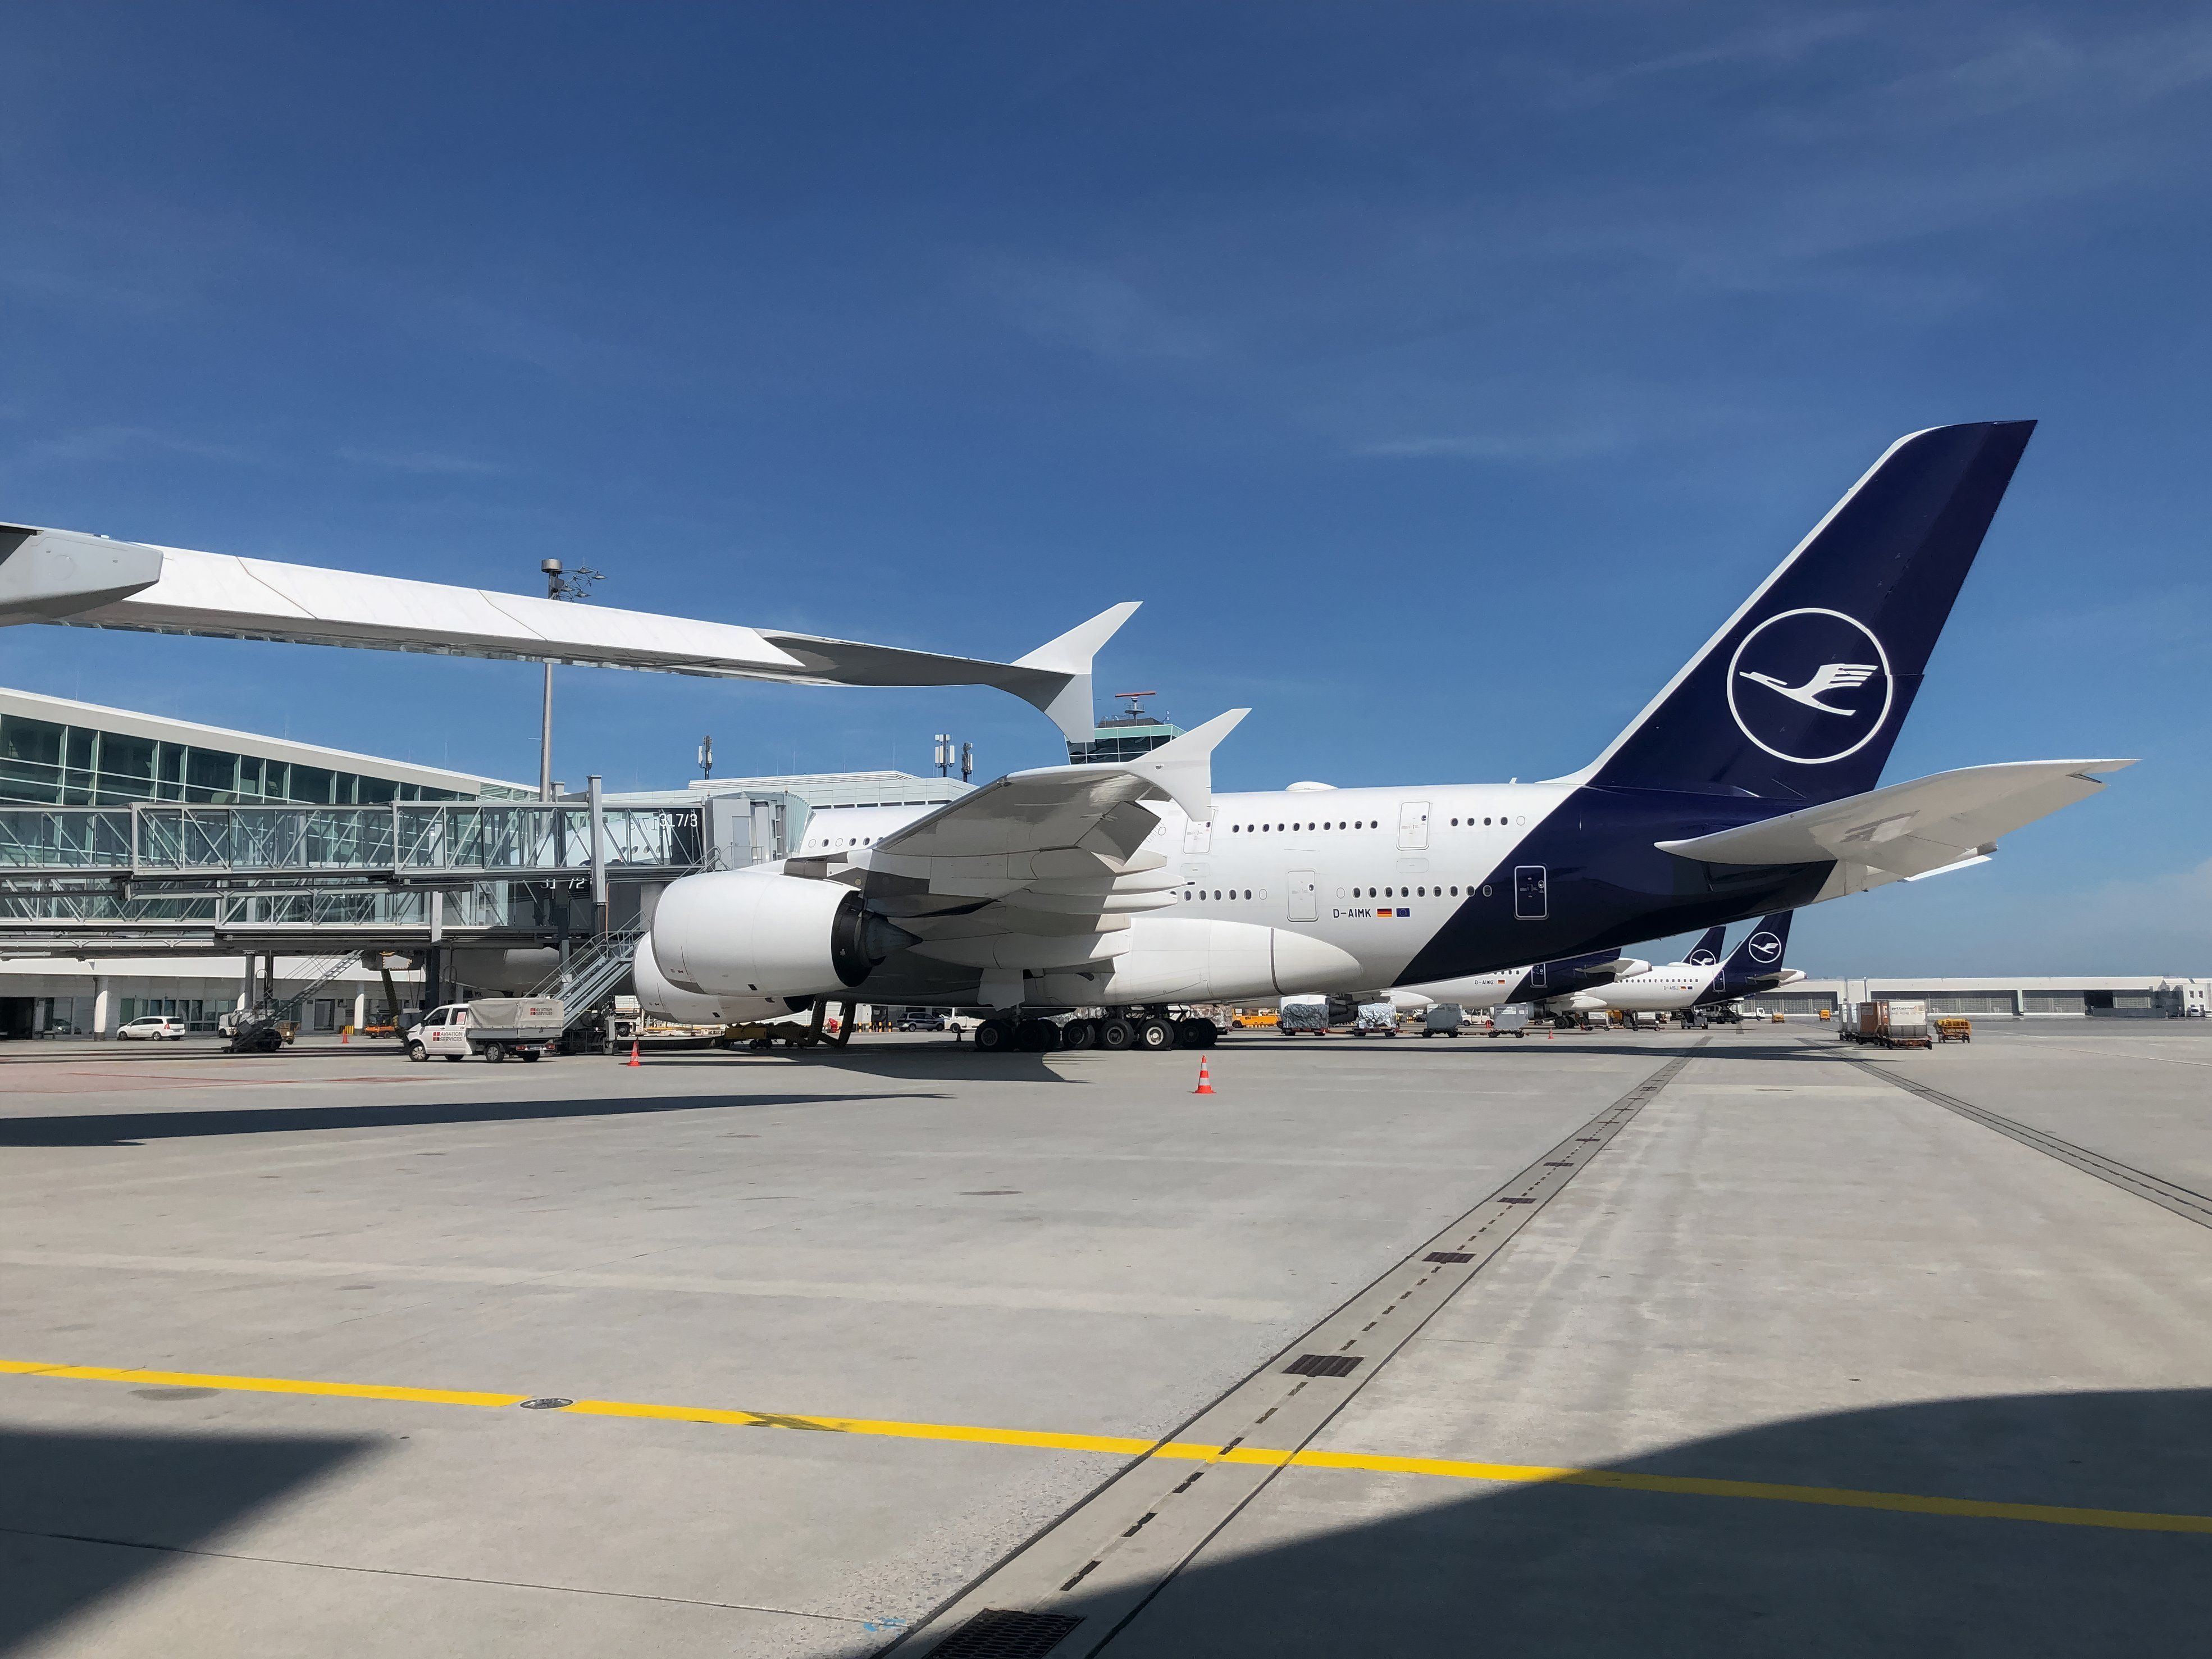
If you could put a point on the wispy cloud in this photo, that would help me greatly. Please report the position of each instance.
(1093, 309)
(90, 444)
(1522, 445)
(424, 463)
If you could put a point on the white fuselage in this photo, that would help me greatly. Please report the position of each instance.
(1292, 891)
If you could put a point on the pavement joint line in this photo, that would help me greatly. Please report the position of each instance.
(1132, 1447)
(2170, 1196)
(441, 1578)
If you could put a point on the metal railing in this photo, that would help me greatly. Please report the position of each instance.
(404, 839)
(591, 973)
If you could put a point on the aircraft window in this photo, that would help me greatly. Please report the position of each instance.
(1486, 824)
(1371, 892)
(1234, 828)
(1247, 893)
(1455, 892)
(1486, 891)
(1420, 892)
(1217, 892)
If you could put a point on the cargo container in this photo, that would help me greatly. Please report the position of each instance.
(1889, 1024)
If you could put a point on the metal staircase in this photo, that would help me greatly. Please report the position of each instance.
(590, 975)
(320, 972)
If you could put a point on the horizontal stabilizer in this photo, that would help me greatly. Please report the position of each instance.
(1905, 830)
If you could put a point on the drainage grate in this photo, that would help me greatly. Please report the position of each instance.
(1448, 1256)
(997, 1633)
(1323, 1364)
(1516, 1201)
(546, 1403)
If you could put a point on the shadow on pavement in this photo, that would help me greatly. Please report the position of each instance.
(85, 1515)
(136, 1128)
(1562, 1570)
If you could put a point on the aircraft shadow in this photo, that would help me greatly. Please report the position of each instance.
(916, 1062)
(1558, 1570)
(86, 1516)
(135, 1128)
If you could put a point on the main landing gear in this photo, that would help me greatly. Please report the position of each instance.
(1152, 1030)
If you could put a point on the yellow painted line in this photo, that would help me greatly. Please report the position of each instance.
(259, 1384)
(1180, 1450)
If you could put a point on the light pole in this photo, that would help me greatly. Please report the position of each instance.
(557, 586)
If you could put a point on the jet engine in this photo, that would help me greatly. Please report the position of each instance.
(658, 996)
(739, 934)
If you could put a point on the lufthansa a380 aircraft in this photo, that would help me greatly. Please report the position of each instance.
(1748, 785)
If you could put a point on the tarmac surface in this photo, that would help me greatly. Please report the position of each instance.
(1741, 1342)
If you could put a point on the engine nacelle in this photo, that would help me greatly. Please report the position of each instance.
(738, 933)
(657, 996)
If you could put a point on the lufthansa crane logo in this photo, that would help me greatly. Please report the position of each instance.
(1700, 959)
(1763, 946)
(1810, 686)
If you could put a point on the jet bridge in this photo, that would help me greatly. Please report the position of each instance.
(161, 877)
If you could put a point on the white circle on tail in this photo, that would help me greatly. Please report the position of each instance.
(1810, 659)
(1763, 946)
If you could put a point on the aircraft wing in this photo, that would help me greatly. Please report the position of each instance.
(1906, 830)
(1040, 869)
(90, 581)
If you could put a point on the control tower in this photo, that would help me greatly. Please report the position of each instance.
(1124, 736)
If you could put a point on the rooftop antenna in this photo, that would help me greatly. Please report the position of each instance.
(707, 756)
(1135, 706)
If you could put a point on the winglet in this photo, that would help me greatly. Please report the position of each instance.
(1063, 690)
(1183, 766)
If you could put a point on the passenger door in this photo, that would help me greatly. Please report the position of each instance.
(1531, 895)
(1304, 889)
(1197, 835)
(1414, 826)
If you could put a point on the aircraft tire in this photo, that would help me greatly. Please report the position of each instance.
(1154, 1035)
(994, 1036)
(1080, 1033)
(1116, 1034)
(1036, 1036)
(1197, 1032)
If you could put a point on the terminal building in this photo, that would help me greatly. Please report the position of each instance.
(2003, 996)
(67, 755)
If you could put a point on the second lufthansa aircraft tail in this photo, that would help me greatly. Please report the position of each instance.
(1800, 694)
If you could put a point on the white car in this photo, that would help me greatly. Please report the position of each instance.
(151, 1028)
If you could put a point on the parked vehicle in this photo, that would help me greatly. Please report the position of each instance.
(1375, 1019)
(925, 1023)
(1512, 1018)
(1304, 1017)
(495, 1027)
(1443, 1019)
(257, 1034)
(152, 1027)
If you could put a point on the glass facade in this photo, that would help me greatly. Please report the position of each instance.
(44, 763)
(1121, 740)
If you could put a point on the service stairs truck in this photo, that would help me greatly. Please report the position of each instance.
(495, 1027)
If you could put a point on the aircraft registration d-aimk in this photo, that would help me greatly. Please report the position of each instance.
(1749, 785)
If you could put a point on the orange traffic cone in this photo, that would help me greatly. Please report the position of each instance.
(345, 1035)
(633, 1051)
(1205, 1081)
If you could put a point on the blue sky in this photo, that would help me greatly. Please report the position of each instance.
(1438, 376)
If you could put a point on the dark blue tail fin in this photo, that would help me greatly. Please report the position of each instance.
(1708, 951)
(1756, 962)
(1801, 695)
